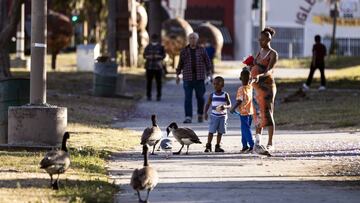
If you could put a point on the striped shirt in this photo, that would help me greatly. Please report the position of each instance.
(217, 100)
(202, 63)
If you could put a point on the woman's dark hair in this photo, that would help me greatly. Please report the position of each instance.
(269, 30)
(154, 37)
(245, 74)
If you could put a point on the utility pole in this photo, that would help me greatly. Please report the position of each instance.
(334, 14)
(38, 51)
(37, 124)
(262, 23)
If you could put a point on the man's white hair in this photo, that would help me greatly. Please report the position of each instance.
(195, 34)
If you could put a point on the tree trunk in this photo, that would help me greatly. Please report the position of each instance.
(4, 64)
(8, 29)
(53, 60)
(155, 17)
(111, 30)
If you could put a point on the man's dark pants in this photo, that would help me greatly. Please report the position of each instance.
(321, 67)
(150, 74)
(199, 87)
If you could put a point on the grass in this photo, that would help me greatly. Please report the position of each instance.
(336, 108)
(92, 140)
(100, 191)
(331, 62)
(20, 161)
(86, 180)
(320, 111)
(351, 73)
(35, 189)
(294, 63)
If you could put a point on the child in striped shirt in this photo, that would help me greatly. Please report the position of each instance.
(219, 102)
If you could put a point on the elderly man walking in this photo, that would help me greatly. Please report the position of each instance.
(195, 66)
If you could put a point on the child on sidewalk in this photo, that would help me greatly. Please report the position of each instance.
(219, 102)
(245, 107)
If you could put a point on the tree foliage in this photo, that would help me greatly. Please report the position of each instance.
(91, 12)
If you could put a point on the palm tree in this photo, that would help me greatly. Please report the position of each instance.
(334, 13)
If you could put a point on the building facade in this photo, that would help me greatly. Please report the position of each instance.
(298, 21)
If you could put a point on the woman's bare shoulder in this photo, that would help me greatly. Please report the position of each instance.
(273, 51)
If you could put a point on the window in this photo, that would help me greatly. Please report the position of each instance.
(345, 46)
(285, 39)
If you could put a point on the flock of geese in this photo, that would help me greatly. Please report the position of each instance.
(146, 178)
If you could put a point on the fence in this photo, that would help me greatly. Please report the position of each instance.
(288, 42)
(345, 46)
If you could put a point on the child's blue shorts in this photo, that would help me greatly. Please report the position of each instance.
(217, 124)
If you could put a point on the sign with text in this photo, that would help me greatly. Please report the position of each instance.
(319, 12)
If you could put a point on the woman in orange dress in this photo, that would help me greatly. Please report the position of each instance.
(264, 85)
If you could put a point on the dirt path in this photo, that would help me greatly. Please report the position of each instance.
(319, 166)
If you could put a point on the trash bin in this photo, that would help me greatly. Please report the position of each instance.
(105, 76)
(13, 92)
(85, 55)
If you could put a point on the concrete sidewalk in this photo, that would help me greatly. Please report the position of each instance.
(301, 170)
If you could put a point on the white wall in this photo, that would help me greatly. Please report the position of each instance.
(243, 29)
(283, 13)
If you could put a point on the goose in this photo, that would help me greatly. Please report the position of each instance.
(261, 149)
(185, 136)
(166, 146)
(151, 135)
(56, 162)
(145, 178)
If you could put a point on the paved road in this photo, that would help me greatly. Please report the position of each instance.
(304, 167)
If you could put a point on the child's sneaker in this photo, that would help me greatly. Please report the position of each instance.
(322, 88)
(251, 150)
(187, 120)
(270, 147)
(208, 147)
(244, 149)
(257, 139)
(218, 148)
(305, 87)
(200, 119)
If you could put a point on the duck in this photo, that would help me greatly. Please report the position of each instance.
(57, 162)
(261, 149)
(145, 178)
(166, 145)
(185, 136)
(151, 135)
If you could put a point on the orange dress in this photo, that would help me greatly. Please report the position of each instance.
(264, 93)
